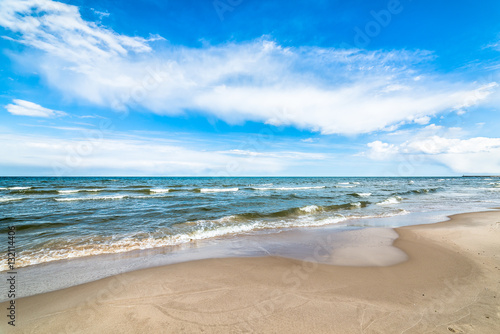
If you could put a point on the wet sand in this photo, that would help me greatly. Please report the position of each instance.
(449, 283)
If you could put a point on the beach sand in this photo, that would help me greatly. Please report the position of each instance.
(450, 283)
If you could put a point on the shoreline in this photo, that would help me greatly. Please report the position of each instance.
(449, 282)
(355, 236)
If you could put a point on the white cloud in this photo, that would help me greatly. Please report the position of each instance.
(282, 154)
(319, 89)
(99, 13)
(494, 45)
(381, 151)
(59, 30)
(473, 155)
(422, 120)
(440, 145)
(97, 152)
(26, 108)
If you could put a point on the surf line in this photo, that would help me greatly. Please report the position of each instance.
(11, 275)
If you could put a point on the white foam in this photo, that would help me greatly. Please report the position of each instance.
(390, 201)
(221, 231)
(10, 199)
(19, 188)
(308, 222)
(217, 190)
(310, 208)
(290, 188)
(67, 191)
(364, 194)
(159, 191)
(124, 245)
(73, 191)
(71, 199)
(401, 212)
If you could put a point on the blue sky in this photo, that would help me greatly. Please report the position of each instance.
(245, 87)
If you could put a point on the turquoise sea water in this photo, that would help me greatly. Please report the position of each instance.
(61, 218)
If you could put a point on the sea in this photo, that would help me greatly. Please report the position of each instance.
(58, 219)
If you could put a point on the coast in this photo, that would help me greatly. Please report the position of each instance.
(448, 283)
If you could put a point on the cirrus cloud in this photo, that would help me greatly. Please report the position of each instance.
(332, 91)
(98, 152)
(26, 108)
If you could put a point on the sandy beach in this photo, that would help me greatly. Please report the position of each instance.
(450, 283)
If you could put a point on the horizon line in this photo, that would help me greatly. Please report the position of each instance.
(241, 176)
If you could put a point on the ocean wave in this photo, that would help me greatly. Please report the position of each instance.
(391, 200)
(108, 245)
(301, 211)
(38, 191)
(68, 191)
(233, 224)
(152, 196)
(159, 191)
(141, 190)
(198, 230)
(184, 233)
(286, 203)
(418, 191)
(111, 197)
(16, 188)
(33, 191)
(90, 198)
(400, 212)
(310, 208)
(10, 199)
(217, 190)
(425, 190)
(361, 194)
(288, 188)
